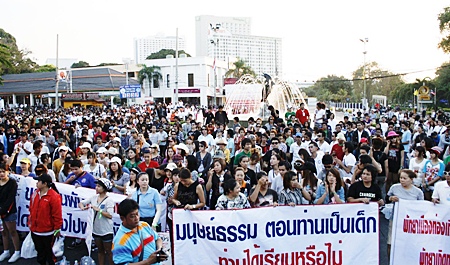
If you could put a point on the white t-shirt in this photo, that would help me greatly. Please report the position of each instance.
(320, 115)
(348, 161)
(22, 154)
(98, 171)
(325, 147)
(277, 184)
(294, 151)
(442, 192)
(418, 169)
(272, 176)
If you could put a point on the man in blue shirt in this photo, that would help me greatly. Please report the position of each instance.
(132, 235)
(79, 177)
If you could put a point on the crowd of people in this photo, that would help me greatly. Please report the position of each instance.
(183, 157)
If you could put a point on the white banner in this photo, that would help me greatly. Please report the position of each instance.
(332, 234)
(422, 230)
(75, 223)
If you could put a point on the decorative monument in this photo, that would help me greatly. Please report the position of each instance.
(250, 96)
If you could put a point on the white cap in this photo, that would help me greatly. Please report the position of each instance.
(116, 159)
(101, 150)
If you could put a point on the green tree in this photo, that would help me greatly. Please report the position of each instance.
(45, 68)
(152, 74)
(162, 54)
(4, 59)
(240, 69)
(444, 27)
(442, 82)
(107, 64)
(378, 82)
(19, 59)
(331, 88)
(80, 64)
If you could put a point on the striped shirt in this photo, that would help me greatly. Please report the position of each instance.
(287, 196)
(127, 245)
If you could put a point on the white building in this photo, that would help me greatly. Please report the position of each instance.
(228, 38)
(143, 47)
(196, 80)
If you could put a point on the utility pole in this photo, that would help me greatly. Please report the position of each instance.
(366, 40)
(176, 71)
(57, 75)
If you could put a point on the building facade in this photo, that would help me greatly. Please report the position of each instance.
(198, 78)
(229, 38)
(143, 47)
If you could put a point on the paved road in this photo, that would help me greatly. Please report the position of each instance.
(71, 254)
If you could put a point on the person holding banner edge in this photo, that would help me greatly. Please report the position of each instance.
(405, 190)
(366, 190)
(102, 230)
(8, 213)
(45, 219)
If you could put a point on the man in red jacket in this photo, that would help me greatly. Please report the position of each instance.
(45, 219)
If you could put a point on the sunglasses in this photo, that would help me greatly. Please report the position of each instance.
(275, 142)
(201, 146)
(446, 172)
(327, 167)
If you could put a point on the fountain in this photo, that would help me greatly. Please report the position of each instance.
(244, 98)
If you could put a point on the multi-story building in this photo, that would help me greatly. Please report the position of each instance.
(228, 38)
(143, 47)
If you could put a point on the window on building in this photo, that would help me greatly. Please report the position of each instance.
(190, 80)
(155, 82)
(168, 80)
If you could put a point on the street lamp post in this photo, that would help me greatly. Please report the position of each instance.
(215, 42)
(365, 103)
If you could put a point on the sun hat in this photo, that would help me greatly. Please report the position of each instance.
(105, 182)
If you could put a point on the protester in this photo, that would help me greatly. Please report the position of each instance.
(127, 243)
(261, 195)
(93, 167)
(117, 176)
(8, 215)
(232, 198)
(45, 219)
(366, 190)
(102, 227)
(332, 189)
(149, 201)
(216, 177)
(293, 193)
(405, 190)
(441, 192)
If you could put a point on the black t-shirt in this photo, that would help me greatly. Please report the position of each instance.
(393, 157)
(268, 199)
(195, 134)
(357, 190)
(250, 178)
(380, 157)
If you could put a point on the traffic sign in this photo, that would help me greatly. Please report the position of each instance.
(130, 91)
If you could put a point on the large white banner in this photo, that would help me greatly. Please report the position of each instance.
(420, 233)
(75, 223)
(332, 234)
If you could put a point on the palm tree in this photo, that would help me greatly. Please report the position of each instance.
(151, 73)
(240, 69)
(4, 58)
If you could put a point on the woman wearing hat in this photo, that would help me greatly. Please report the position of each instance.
(154, 154)
(116, 175)
(8, 214)
(395, 155)
(83, 156)
(25, 166)
(103, 207)
(131, 185)
(45, 219)
(434, 170)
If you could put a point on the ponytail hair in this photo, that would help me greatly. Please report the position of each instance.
(53, 187)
